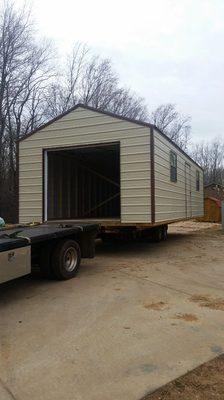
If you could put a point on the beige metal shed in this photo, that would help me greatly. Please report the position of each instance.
(94, 165)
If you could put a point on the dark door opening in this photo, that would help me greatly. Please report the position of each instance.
(84, 182)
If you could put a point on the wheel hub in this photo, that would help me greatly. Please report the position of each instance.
(70, 259)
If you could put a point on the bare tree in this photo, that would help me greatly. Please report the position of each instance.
(24, 71)
(176, 126)
(92, 81)
(210, 156)
(64, 92)
(99, 83)
(128, 104)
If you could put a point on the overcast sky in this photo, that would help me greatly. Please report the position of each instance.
(165, 50)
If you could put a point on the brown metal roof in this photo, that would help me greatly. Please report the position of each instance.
(138, 122)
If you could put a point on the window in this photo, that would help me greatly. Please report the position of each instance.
(197, 181)
(173, 166)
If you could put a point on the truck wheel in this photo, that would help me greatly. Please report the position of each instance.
(66, 259)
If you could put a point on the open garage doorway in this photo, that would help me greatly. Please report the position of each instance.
(83, 183)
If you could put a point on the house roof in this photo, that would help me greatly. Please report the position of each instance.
(138, 122)
(214, 184)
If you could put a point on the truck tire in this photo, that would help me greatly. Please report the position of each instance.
(66, 259)
(45, 262)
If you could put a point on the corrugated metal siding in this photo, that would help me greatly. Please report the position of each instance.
(81, 127)
(170, 196)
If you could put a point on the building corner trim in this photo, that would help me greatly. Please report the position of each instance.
(152, 168)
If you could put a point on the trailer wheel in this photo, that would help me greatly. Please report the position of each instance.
(160, 233)
(66, 259)
(157, 234)
(165, 229)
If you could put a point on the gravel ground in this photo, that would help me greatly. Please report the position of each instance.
(203, 383)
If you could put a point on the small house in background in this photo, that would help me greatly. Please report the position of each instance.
(212, 210)
(213, 197)
(214, 190)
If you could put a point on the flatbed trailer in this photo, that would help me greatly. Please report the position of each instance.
(56, 248)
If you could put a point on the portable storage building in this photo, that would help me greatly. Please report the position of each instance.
(213, 208)
(95, 165)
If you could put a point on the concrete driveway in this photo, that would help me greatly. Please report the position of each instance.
(136, 317)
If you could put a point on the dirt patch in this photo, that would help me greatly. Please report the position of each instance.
(186, 317)
(208, 301)
(159, 306)
(203, 383)
(193, 226)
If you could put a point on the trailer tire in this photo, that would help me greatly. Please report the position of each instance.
(157, 234)
(66, 259)
(160, 233)
(165, 229)
(45, 262)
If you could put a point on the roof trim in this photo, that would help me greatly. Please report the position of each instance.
(80, 105)
(214, 184)
(138, 122)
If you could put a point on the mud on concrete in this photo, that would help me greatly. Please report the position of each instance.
(208, 301)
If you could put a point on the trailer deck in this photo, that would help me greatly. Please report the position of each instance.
(23, 236)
